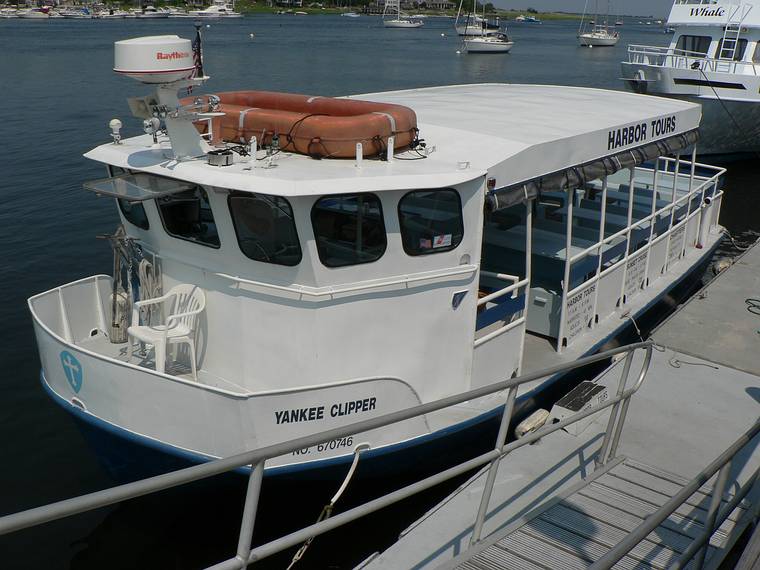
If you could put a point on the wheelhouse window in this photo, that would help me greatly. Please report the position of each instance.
(694, 44)
(756, 55)
(134, 213)
(431, 221)
(265, 228)
(349, 229)
(187, 215)
(741, 49)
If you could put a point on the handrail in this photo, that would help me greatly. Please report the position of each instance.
(635, 53)
(722, 463)
(257, 458)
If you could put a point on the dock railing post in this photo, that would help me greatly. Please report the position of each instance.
(601, 457)
(712, 513)
(506, 419)
(249, 514)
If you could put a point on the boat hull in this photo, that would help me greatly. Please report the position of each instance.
(402, 24)
(130, 455)
(595, 41)
(475, 46)
(730, 125)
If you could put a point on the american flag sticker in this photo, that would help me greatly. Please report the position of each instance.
(425, 243)
(442, 241)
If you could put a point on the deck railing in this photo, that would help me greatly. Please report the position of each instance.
(257, 459)
(685, 59)
(620, 276)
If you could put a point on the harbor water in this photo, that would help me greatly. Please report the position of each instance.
(59, 95)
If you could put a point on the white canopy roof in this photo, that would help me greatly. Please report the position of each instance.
(513, 133)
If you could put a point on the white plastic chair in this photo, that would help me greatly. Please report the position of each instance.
(188, 301)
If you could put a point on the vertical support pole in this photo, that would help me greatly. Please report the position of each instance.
(566, 278)
(601, 457)
(501, 438)
(391, 148)
(672, 208)
(249, 513)
(528, 269)
(600, 250)
(690, 197)
(653, 219)
(712, 513)
(631, 192)
(359, 155)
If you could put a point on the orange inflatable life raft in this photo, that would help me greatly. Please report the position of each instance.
(321, 127)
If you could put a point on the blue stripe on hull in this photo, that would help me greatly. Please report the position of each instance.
(128, 456)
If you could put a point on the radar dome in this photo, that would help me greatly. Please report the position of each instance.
(154, 59)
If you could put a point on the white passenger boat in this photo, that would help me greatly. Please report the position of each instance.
(218, 9)
(260, 295)
(714, 60)
(393, 17)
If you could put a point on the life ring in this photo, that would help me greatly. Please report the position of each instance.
(321, 127)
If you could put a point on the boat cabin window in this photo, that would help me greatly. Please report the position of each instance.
(349, 229)
(431, 221)
(265, 228)
(187, 215)
(695, 44)
(134, 213)
(741, 48)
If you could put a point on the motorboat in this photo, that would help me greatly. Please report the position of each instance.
(597, 33)
(6, 13)
(350, 15)
(259, 294)
(175, 12)
(521, 19)
(76, 14)
(218, 9)
(35, 13)
(151, 13)
(491, 43)
(393, 17)
(111, 14)
(713, 59)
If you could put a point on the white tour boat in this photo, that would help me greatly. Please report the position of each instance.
(597, 33)
(398, 19)
(714, 60)
(218, 9)
(259, 294)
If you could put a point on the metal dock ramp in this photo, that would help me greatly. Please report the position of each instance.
(578, 528)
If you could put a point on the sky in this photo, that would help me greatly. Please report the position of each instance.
(658, 8)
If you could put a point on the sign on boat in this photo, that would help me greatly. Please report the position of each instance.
(264, 289)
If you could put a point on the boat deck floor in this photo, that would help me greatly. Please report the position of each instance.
(688, 411)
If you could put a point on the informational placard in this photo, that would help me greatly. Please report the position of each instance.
(635, 273)
(676, 243)
(579, 312)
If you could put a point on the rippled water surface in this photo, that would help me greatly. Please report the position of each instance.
(58, 95)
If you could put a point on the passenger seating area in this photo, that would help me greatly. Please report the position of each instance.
(504, 238)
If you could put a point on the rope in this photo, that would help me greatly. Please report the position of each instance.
(328, 508)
